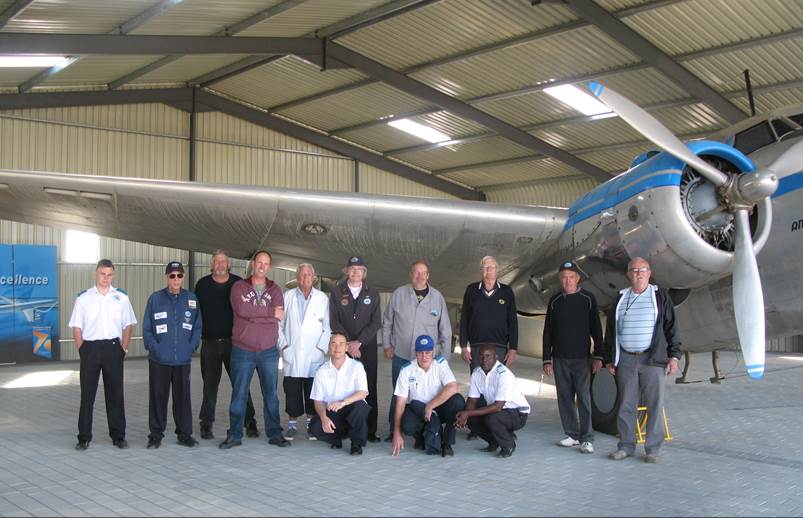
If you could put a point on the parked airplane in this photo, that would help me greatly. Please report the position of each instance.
(689, 210)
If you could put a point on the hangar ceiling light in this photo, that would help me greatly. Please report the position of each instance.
(419, 130)
(30, 61)
(577, 99)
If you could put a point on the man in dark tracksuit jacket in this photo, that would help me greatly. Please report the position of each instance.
(571, 321)
(354, 310)
(641, 347)
(171, 331)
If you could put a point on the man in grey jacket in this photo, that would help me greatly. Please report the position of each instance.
(414, 309)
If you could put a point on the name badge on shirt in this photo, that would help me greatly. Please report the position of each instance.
(186, 326)
(162, 328)
(160, 315)
(192, 303)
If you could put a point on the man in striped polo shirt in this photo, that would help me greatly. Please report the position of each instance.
(641, 347)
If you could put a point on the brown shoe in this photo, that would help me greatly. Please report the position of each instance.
(618, 455)
(652, 458)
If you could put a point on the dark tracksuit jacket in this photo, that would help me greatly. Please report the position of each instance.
(171, 327)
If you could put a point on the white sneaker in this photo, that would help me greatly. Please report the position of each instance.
(291, 433)
(586, 447)
(568, 442)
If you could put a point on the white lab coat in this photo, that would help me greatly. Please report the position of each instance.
(304, 344)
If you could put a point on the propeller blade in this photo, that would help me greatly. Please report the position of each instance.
(748, 299)
(649, 126)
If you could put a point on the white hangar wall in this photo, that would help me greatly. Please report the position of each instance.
(152, 141)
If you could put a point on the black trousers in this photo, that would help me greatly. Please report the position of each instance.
(102, 356)
(498, 428)
(439, 431)
(296, 396)
(368, 359)
(350, 421)
(161, 379)
(215, 355)
(573, 378)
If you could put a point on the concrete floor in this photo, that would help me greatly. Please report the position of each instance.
(734, 452)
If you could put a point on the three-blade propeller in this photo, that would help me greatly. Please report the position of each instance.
(748, 298)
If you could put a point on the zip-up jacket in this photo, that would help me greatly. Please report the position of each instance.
(359, 318)
(171, 327)
(406, 319)
(665, 341)
(255, 326)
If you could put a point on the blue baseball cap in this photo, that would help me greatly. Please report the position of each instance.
(355, 261)
(424, 343)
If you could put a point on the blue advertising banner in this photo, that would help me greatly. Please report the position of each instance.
(29, 313)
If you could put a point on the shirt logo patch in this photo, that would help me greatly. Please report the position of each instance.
(367, 300)
(192, 303)
(434, 313)
(344, 302)
(161, 328)
(186, 326)
(501, 301)
(160, 315)
(116, 297)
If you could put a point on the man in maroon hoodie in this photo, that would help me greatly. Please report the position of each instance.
(258, 307)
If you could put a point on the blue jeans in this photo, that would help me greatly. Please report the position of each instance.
(243, 364)
(398, 364)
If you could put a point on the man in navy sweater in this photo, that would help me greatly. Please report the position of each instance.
(171, 330)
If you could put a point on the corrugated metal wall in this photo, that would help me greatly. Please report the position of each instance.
(549, 193)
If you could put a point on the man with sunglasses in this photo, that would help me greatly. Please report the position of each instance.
(171, 332)
(641, 347)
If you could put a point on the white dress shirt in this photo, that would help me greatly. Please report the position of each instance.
(333, 384)
(102, 317)
(498, 385)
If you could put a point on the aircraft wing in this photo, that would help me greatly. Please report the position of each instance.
(323, 228)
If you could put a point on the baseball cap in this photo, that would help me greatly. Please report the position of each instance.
(569, 265)
(424, 343)
(355, 261)
(174, 266)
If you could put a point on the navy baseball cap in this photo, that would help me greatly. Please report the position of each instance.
(424, 343)
(174, 266)
(569, 265)
(355, 261)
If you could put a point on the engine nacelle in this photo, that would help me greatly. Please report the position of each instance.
(661, 210)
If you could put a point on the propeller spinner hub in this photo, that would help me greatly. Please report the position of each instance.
(743, 191)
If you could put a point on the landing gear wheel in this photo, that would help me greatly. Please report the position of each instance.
(604, 402)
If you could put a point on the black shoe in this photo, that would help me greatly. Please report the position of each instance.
(279, 441)
(389, 438)
(251, 430)
(227, 444)
(82, 445)
(373, 438)
(506, 452)
(419, 442)
(490, 448)
(447, 451)
(154, 444)
(356, 449)
(336, 446)
(121, 443)
(471, 436)
(206, 432)
(187, 441)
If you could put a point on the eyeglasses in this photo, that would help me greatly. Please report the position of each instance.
(174, 275)
(489, 267)
(643, 269)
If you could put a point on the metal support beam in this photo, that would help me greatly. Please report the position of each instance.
(94, 98)
(123, 28)
(13, 10)
(347, 26)
(228, 31)
(286, 127)
(411, 86)
(112, 44)
(640, 46)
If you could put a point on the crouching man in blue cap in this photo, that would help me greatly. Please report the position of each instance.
(496, 407)
(426, 402)
(171, 332)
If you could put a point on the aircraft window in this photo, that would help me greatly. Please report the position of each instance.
(797, 118)
(781, 128)
(754, 138)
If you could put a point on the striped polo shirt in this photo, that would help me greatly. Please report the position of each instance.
(636, 320)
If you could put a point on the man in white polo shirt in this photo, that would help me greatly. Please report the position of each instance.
(339, 390)
(102, 321)
(496, 407)
(426, 402)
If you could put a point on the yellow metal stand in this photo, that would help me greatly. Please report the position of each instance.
(641, 424)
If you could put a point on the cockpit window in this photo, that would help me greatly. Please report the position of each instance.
(781, 128)
(797, 118)
(754, 138)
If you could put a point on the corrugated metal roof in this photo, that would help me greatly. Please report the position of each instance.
(309, 16)
(202, 17)
(520, 172)
(496, 148)
(76, 16)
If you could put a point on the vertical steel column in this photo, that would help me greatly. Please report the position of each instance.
(192, 178)
(356, 176)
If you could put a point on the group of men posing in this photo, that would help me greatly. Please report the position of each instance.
(246, 325)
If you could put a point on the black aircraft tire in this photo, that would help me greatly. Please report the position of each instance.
(604, 402)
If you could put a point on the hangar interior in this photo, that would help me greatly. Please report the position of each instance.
(313, 110)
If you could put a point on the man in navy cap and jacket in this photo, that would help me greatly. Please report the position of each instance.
(171, 331)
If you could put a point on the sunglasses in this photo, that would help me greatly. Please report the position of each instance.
(174, 275)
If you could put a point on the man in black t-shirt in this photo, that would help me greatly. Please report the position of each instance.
(572, 320)
(216, 313)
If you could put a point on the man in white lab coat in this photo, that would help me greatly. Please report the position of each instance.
(303, 341)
